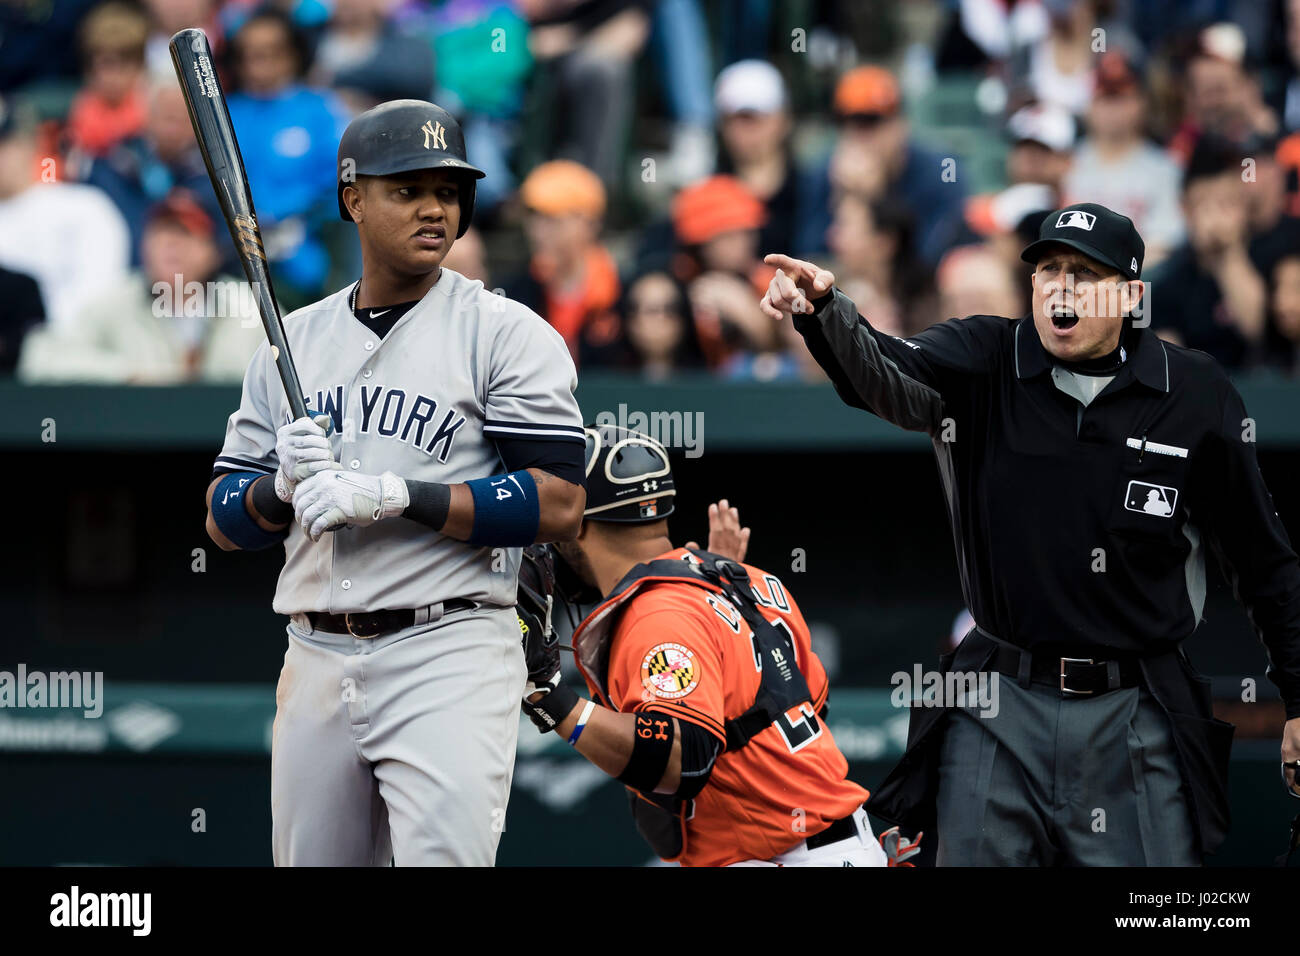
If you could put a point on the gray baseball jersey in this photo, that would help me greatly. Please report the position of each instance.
(462, 367)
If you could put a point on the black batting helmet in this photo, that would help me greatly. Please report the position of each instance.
(629, 479)
(403, 135)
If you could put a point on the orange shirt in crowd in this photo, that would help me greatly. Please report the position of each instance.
(680, 650)
(590, 303)
(96, 125)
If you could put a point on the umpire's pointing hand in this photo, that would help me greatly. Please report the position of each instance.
(796, 285)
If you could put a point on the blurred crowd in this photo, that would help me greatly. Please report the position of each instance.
(642, 156)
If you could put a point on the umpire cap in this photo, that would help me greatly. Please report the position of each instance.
(1099, 233)
(629, 479)
(403, 135)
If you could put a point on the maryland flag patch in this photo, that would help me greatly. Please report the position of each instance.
(670, 671)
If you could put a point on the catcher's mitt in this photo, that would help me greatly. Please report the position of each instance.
(533, 606)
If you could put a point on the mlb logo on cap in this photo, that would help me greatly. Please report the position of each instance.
(1099, 233)
(1075, 219)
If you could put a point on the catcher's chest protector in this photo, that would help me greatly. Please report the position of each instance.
(661, 819)
(781, 685)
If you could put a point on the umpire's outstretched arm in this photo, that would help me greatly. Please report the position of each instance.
(904, 381)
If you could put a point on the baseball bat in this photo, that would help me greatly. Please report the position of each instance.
(192, 57)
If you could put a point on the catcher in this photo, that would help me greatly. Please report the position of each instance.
(709, 702)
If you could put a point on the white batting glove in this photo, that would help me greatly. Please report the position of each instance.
(303, 447)
(332, 499)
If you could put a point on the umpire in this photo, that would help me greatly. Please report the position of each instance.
(1087, 467)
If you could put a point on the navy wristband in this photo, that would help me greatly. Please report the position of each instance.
(506, 510)
(232, 518)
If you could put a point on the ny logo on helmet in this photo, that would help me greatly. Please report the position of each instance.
(1076, 219)
(434, 135)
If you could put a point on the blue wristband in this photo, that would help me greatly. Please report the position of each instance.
(506, 510)
(232, 518)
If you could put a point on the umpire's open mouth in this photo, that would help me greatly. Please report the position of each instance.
(1064, 319)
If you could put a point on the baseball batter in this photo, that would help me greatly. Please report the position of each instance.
(443, 437)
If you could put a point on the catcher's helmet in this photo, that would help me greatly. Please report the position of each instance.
(629, 479)
(403, 135)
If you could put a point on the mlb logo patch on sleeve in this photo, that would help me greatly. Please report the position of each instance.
(1157, 500)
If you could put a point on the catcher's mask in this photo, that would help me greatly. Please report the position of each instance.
(629, 481)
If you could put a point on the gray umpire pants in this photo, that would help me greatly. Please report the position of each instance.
(398, 748)
(1053, 781)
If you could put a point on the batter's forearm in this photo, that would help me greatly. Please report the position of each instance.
(560, 505)
(265, 506)
(241, 524)
(445, 508)
(449, 509)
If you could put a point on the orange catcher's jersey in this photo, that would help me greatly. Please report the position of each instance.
(682, 650)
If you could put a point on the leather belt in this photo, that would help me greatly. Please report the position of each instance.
(368, 624)
(837, 831)
(1076, 672)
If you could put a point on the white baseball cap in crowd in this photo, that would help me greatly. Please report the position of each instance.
(1050, 126)
(1016, 202)
(749, 86)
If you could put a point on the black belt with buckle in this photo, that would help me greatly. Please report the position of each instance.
(1074, 672)
(837, 831)
(374, 623)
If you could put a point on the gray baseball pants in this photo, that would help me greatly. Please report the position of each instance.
(398, 748)
(1052, 781)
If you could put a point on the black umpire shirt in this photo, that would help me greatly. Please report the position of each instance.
(1080, 524)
